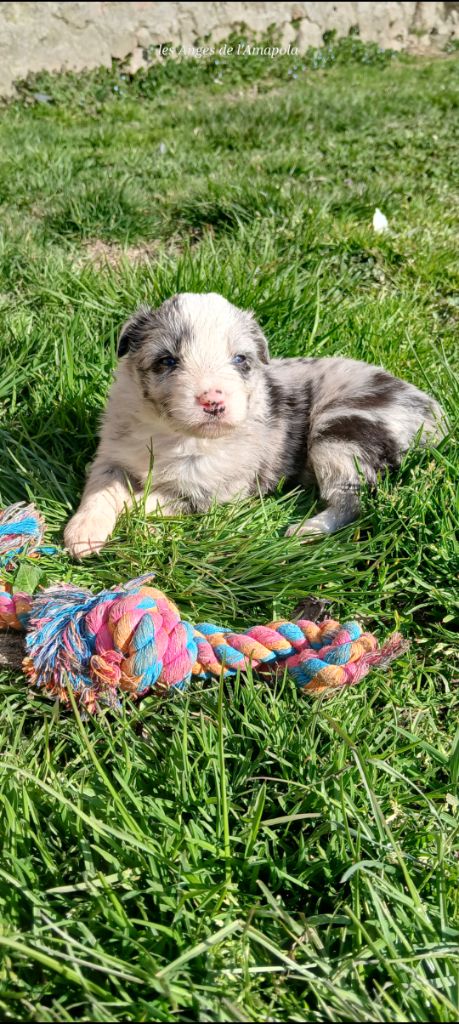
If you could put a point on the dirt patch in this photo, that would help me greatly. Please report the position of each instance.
(102, 254)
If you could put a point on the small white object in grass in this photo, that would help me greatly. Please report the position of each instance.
(380, 222)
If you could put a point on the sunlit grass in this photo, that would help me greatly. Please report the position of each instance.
(237, 853)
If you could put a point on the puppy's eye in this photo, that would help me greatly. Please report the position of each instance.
(239, 360)
(167, 362)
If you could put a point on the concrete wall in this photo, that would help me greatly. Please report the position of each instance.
(73, 36)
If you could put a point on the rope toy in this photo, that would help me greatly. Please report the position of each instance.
(21, 527)
(132, 640)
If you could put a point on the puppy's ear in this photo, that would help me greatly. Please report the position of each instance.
(259, 339)
(133, 332)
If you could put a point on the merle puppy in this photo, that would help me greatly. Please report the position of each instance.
(199, 409)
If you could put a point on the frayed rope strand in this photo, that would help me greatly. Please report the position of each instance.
(132, 640)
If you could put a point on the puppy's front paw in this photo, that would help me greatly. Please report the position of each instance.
(86, 534)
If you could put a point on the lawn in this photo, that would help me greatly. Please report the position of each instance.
(241, 854)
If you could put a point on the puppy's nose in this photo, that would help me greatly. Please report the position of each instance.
(212, 401)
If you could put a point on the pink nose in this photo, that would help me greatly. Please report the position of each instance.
(213, 397)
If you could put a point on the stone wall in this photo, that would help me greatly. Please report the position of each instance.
(73, 36)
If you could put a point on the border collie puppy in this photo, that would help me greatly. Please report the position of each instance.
(200, 410)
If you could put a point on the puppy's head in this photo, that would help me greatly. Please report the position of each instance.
(198, 360)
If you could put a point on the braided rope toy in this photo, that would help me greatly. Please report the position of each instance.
(131, 639)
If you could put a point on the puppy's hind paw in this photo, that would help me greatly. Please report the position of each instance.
(311, 528)
(86, 534)
(332, 518)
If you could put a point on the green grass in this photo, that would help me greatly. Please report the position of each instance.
(239, 854)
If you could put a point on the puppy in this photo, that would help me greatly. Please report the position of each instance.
(200, 412)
